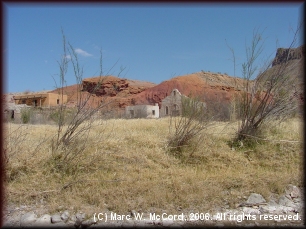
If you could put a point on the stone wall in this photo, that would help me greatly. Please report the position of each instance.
(142, 111)
(172, 104)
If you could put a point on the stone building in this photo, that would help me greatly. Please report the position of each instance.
(172, 104)
(142, 111)
(40, 99)
(175, 103)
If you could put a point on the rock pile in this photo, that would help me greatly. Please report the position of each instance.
(287, 210)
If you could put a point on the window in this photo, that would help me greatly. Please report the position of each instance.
(23, 101)
(57, 101)
(153, 112)
(132, 113)
(167, 110)
(174, 93)
(175, 110)
(35, 102)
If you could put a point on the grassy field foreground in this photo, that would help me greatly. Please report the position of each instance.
(126, 166)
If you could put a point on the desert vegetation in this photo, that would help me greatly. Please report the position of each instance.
(193, 162)
(270, 95)
(186, 130)
(126, 166)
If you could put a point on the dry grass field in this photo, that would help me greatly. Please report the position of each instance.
(126, 166)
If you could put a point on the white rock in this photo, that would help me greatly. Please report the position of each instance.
(79, 218)
(157, 222)
(297, 200)
(293, 191)
(287, 209)
(255, 198)
(267, 209)
(56, 218)
(28, 219)
(44, 220)
(167, 223)
(283, 200)
(87, 223)
(65, 216)
(272, 203)
(128, 223)
(251, 211)
(133, 213)
(144, 222)
(11, 222)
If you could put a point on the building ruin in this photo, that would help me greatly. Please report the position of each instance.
(142, 111)
(170, 106)
(40, 99)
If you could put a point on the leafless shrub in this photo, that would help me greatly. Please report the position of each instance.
(270, 96)
(15, 137)
(217, 108)
(74, 124)
(13, 140)
(186, 130)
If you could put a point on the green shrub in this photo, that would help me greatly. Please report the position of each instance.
(67, 115)
(26, 115)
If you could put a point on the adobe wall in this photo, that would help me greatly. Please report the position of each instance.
(172, 104)
(142, 111)
(42, 100)
(52, 98)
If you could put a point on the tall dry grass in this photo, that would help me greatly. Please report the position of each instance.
(125, 167)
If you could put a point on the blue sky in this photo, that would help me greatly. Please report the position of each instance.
(152, 42)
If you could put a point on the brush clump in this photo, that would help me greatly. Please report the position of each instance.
(126, 166)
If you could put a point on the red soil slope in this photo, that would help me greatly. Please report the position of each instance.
(204, 85)
(124, 92)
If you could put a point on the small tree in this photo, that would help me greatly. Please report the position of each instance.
(26, 114)
(186, 130)
(270, 96)
(73, 131)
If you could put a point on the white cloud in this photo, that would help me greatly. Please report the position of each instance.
(82, 52)
(68, 57)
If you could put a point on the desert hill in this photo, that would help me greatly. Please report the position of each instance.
(204, 85)
(210, 87)
(126, 92)
(288, 66)
(283, 55)
(111, 88)
(292, 59)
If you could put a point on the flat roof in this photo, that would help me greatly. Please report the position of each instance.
(17, 97)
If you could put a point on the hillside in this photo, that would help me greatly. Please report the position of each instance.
(205, 85)
(283, 55)
(208, 86)
(125, 92)
(292, 60)
(288, 68)
(111, 88)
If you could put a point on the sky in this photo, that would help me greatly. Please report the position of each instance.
(149, 42)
